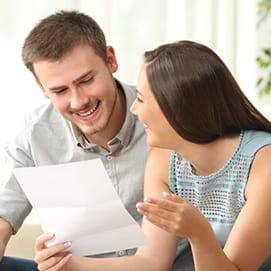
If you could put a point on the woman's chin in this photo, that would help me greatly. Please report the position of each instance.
(152, 143)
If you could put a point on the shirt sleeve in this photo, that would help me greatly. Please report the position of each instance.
(14, 205)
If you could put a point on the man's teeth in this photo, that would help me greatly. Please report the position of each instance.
(88, 112)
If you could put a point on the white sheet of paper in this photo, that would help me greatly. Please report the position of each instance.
(78, 202)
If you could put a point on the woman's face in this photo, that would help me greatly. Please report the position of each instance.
(159, 132)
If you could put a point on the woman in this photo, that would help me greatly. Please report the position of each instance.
(213, 189)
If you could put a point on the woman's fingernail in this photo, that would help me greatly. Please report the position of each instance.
(67, 244)
(147, 200)
(69, 256)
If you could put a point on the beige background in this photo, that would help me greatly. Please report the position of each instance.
(22, 244)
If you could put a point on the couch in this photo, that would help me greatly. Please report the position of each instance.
(22, 244)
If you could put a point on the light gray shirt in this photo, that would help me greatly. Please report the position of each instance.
(46, 138)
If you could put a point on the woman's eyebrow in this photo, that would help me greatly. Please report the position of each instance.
(138, 92)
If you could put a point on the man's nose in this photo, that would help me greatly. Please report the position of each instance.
(78, 98)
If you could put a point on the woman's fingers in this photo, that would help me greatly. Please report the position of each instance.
(167, 212)
(55, 262)
(46, 253)
(172, 214)
(51, 258)
(160, 207)
(41, 240)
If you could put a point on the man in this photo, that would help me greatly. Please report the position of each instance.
(87, 117)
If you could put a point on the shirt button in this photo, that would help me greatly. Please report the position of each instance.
(122, 253)
(109, 157)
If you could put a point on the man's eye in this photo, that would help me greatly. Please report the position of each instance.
(86, 81)
(60, 91)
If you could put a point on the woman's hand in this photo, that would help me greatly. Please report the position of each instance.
(174, 215)
(53, 258)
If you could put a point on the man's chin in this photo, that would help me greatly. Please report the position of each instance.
(88, 132)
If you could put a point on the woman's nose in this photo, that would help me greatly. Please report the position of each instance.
(132, 107)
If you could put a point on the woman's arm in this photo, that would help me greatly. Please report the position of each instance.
(249, 242)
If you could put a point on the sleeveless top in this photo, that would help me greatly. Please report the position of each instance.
(220, 195)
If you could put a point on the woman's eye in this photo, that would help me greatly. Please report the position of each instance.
(139, 100)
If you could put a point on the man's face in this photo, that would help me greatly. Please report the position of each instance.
(81, 87)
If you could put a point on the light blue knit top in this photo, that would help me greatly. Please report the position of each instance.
(220, 195)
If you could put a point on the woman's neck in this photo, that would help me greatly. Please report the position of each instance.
(209, 158)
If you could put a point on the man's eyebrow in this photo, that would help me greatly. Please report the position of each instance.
(74, 81)
(82, 76)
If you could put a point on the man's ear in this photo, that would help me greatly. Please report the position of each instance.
(111, 59)
(42, 88)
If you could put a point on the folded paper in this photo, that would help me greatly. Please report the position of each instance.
(78, 203)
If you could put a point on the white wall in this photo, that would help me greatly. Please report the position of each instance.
(131, 26)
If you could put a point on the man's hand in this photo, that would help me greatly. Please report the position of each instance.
(5, 234)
